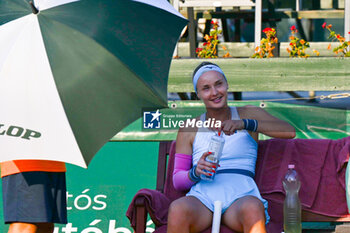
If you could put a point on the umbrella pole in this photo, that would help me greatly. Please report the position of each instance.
(34, 9)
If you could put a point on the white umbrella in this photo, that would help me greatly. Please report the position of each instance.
(74, 73)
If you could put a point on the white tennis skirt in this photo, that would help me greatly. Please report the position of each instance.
(227, 188)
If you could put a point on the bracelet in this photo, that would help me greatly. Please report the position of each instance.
(250, 124)
(193, 175)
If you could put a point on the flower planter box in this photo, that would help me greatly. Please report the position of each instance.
(246, 49)
(274, 74)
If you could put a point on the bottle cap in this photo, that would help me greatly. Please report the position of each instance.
(291, 166)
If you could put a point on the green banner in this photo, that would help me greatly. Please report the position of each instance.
(309, 121)
(99, 196)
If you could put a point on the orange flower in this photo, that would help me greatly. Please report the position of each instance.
(343, 44)
(302, 41)
(317, 52)
(223, 47)
(227, 55)
(266, 44)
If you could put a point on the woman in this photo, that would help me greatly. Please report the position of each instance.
(244, 210)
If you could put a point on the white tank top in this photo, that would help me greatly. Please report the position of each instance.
(239, 152)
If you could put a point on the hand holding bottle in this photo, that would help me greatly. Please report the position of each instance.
(215, 148)
(203, 166)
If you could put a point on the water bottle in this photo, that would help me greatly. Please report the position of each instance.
(292, 206)
(216, 145)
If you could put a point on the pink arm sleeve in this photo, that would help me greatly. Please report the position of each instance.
(182, 166)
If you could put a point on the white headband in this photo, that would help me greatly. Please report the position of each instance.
(203, 70)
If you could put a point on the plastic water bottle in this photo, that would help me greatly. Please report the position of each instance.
(292, 206)
(216, 145)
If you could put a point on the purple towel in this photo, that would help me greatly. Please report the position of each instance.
(157, 205)
(321, 166)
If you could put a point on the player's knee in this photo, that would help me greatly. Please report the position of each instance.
(176, 211)
(252, 207)
(179, 211)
